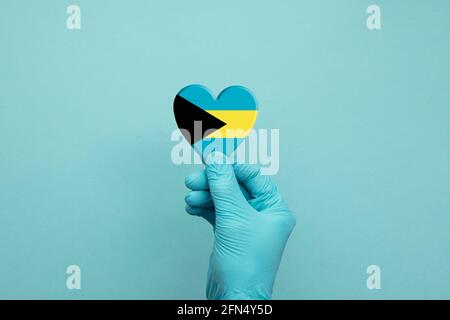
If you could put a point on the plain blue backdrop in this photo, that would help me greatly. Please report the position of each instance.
(86, 116)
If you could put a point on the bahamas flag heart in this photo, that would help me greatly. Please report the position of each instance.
(210, 124)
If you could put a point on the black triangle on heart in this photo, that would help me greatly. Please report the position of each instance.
(188, 115)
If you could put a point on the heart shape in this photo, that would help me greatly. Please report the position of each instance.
(210, 124)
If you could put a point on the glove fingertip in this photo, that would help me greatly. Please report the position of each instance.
(193, 179)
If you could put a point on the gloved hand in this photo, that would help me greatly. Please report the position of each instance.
(251, 226)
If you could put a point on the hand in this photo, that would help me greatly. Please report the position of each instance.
(251, 226)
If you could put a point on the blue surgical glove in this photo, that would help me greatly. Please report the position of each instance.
(251, 226)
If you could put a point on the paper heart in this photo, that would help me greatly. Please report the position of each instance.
(210, 124)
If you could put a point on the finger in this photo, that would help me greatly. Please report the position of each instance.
(207, 213)
(225, 191)
(197, 181)
(244, 191)
(199, 199)
(262, 189)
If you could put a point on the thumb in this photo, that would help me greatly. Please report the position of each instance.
(223, 185)
(263, 191)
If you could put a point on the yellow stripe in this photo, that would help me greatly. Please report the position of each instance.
(239, 123)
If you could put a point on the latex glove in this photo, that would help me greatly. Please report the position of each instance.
(251, 226)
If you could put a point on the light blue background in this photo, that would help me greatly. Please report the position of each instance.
(86, 117)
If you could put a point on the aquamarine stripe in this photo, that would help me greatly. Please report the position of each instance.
(232, 98)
